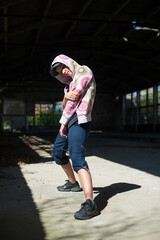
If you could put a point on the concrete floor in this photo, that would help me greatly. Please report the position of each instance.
(126, 180)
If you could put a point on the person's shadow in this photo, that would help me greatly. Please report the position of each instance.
(105, 193)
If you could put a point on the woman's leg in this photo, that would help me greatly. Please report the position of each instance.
(59, 155)
(86, 183)
(76, 139)
(69, 172)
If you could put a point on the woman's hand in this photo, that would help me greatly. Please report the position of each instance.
(63, 131)
(71, 95)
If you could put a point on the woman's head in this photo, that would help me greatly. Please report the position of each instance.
(60, 68)
(64, 70)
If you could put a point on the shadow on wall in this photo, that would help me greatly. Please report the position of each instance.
(19, 218)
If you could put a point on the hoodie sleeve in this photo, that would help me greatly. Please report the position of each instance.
(81, 83)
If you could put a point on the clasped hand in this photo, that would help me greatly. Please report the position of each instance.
(71, 95)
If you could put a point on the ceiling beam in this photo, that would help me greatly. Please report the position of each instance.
(124, 18)
(154, 11)
(42, 24)
(8, 3)
(40, 27)
(129, 73)
(142, 44)
(5, 30)
(81, 12)
(121, 38)
(121, 6)
(119, 55)
(100, 29)
(153, 58)
(153, 38)
(126, 57)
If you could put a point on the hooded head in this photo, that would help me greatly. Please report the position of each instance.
(53, 69)
(69, 62)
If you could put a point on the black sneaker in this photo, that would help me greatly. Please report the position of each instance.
(69, 187)
(88, 210)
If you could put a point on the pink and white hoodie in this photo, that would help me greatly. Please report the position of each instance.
(84, 83)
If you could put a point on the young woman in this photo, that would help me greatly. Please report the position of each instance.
(80, 90)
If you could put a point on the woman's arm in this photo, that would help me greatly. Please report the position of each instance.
(64, 102)
(82, 82)
(73, 96)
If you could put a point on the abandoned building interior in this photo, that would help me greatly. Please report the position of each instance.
(118, 40)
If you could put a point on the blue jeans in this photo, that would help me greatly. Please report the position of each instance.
(77, 135)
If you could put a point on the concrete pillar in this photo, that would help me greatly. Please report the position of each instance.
(123, 112)
(1, 113)
(138, 112)
(155, 109)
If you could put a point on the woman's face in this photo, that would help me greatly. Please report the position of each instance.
(64, 70)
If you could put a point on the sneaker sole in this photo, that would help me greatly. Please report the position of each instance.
(69, 190)
(78, 190)
(87, 217)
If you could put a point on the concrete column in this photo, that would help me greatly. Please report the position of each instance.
(138, 107)
(1, 114)
(155, 109)
(123, 112)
